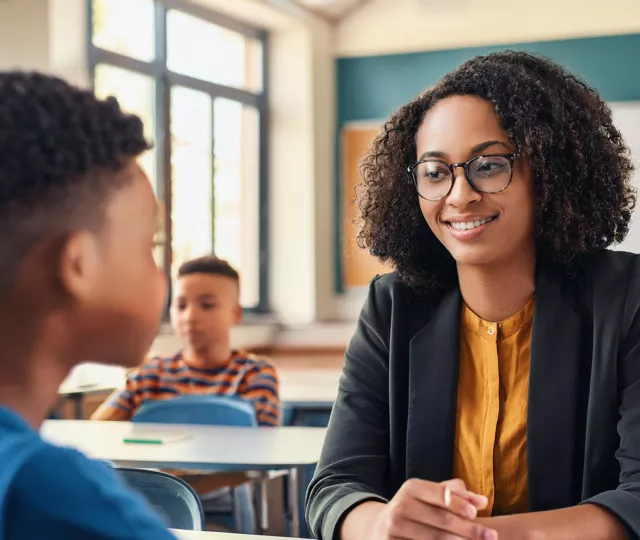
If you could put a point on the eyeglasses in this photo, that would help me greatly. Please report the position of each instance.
(434, 179)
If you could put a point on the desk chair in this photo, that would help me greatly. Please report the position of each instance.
(202, 410)
(307, 417)
(172, 498)
(212, 411)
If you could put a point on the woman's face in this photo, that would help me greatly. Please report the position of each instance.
(476, 228)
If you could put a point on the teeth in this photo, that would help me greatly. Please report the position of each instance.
(467, 225)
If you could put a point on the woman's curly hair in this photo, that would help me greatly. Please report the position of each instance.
(580, 165)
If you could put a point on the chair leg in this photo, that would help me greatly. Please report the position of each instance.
(294, 495)
(235, 508)
(264, 507)
(285, 504)
(261, 505)
(246, 518)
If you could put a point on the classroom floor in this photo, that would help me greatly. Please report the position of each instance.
(304, 370)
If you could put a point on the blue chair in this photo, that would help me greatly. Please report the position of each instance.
(172, 498)
(212, 411)
(206, 410)
(308, 417)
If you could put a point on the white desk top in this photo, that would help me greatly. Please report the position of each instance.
(93, 378)
(205, 447)
(192, 535)
(67, 388)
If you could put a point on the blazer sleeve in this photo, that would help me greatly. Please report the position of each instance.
(624, 502)
(354, 463)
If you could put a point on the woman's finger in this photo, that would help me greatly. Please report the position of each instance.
(459, 488)
(454, 519)
(411, 530)
(450, 523)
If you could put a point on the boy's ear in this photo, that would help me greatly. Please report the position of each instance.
(79, 264)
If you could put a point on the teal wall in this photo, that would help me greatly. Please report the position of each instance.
(372, 87)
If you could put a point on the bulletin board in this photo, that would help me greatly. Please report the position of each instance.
(626, 117)
(358, 266)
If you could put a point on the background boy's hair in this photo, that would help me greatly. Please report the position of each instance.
(208, 265)
(61, 152)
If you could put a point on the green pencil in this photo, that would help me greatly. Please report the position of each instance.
(143, 441)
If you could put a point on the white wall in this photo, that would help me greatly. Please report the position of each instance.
(324, 110)
(24, 34)
(292, 213)
(397, 26)
(45, 35)
(68, 41)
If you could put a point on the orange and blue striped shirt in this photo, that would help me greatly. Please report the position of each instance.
(245, 376)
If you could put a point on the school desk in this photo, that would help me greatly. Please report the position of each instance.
(201, 448)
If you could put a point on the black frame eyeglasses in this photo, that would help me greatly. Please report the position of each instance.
(485, 174)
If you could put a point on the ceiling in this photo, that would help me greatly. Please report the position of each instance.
(331, 9)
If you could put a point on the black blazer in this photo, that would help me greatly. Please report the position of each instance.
(395, 414)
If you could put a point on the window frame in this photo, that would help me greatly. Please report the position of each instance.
(164, 79)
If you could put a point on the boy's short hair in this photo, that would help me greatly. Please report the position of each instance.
(208, 265)
(61, 150)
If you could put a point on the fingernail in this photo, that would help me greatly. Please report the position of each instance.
(490, 534)
(447, 496)
(471, 511)
(482, 498)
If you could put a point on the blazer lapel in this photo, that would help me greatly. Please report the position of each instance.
(553, 380)
(433, 387)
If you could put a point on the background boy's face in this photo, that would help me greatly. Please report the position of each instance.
(123, 295)
(204, 310)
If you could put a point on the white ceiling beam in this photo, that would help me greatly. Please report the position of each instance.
(298, 10)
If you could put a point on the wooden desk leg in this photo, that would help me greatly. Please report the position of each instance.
(294, 494)
(78, 401)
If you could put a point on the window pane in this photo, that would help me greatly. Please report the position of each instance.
(160, 239)
(125, 27)
(136, 94)
(192, 175)
(237, 194)
(212, 53)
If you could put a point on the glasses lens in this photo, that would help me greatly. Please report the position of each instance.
(433, 179)
(490, 174)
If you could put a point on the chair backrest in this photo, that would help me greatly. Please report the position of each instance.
(207, 410)
(171, 497)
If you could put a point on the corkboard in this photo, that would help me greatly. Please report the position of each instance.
(359, 267)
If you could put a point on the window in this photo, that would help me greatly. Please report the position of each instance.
(240, 66)
(197, 80)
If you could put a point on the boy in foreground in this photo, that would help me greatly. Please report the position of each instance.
(77, 281)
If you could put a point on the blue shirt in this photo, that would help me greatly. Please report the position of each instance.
(54, 493)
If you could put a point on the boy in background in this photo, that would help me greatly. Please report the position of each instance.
(205, 309)
(77, 281)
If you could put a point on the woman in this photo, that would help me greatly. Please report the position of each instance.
(496, 373)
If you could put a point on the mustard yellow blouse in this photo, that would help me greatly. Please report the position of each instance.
(491, 425)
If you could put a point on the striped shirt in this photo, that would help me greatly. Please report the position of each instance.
(245, 376)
